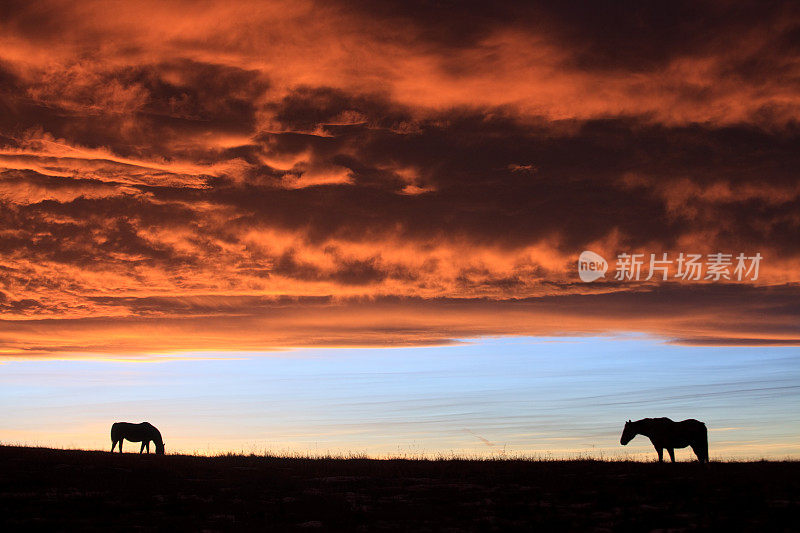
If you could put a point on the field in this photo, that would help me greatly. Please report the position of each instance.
(56, 490)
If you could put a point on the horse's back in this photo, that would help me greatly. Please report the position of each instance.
(130, 431)
(118, 430)
(669, 424)
(676, 434)
(694, 422)
(694, 426)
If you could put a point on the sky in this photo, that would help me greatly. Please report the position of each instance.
(544, 397)
(353, 182)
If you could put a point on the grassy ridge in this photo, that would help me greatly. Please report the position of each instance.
(50, 490)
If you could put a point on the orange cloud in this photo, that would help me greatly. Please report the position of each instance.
(219, 323)
(156, 179)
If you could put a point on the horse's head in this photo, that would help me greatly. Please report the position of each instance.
(628, 433)
(160, 448)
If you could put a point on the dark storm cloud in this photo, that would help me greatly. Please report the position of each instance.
(580, 187)
(387, 159)
(626, 35)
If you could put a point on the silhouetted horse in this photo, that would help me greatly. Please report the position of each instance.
(144, 433)
(664, 433)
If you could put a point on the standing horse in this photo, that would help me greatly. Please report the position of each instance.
(664, 433)
(144, 433)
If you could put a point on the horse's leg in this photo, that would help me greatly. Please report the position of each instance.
(120, 445)
(697, 451)
(113, 445)
(671, 454)
(660, 452)
(701, 451)
(142, 448)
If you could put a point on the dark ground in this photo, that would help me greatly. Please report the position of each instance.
(56, 490)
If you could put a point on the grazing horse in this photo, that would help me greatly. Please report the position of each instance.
(664, 433)
(144, 433)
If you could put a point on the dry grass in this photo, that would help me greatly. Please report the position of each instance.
(50, 489)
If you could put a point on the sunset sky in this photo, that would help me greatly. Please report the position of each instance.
(332, 226)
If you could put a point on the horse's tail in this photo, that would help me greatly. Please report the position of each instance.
(702, 445)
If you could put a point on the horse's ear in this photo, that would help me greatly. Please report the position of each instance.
(629, 421)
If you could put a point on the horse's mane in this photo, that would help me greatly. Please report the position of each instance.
(155, 430)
